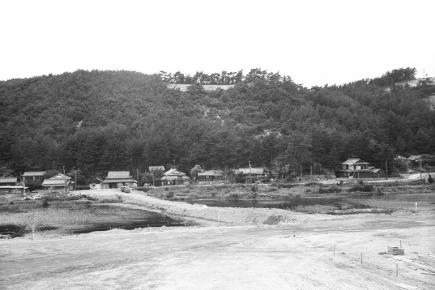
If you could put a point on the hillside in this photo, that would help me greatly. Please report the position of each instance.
(100, 120)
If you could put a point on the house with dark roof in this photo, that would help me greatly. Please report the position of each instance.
(116, 179)
(59, 182)
(357, 168)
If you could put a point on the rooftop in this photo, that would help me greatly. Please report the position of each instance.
(34, 173)
(174, 172)
(8, 179)
(250, 170)
(118, 174)
(352, 161)
(211, 173)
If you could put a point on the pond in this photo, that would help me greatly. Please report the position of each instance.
(77, 218)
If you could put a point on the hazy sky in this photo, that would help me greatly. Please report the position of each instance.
(315, 42)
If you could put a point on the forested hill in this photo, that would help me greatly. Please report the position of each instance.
(100, 120)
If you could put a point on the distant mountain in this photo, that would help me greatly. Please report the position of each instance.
(100, 120)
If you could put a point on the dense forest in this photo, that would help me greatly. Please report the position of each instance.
(96, 121)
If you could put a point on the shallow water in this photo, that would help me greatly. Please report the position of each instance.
(284, 203)
(97, 218)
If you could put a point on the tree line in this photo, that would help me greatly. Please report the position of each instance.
(95, 121)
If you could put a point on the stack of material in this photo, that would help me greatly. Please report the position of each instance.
(395, 251)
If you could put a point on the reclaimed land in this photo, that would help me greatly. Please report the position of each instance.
(236, 248)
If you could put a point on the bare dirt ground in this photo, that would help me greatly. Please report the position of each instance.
(307, 252)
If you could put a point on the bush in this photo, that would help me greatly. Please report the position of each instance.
(330, 189)
(362, 187)
(233, 197)
(34, 185)
(82, 187)
(45, 203)
(170, 194)
(378, 192)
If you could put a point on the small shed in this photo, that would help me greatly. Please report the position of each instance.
(116, 179)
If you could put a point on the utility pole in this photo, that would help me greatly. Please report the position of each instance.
(250, 171)
(386, 168)
(137, 174)
(64, 178)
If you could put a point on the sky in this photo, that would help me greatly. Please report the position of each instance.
(315, 42)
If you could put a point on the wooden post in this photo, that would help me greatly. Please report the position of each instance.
(361, 258)
(386, 168)
(137, 174)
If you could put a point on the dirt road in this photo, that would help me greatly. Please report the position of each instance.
(322, 254)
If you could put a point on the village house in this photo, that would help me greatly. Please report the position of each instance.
(116, 179)
(10, 185)
(357, 168)
(174, 177)
(33, 176)
(59, 182)
(211, 175)
(422, 160)
(6, 181)
(251, 174)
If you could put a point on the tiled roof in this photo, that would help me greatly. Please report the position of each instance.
(211, 173)
(352, 161)
(156, 168)
(253, 170)
(119, 180)
(174, 172)
(34, 173)
(8, 179)
(118, 174)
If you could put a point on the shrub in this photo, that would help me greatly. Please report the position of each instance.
(362, 187)
(33, 185)
(378, 192)
(330, 189)
(170, 194)
(45, 203)
(234, 197)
